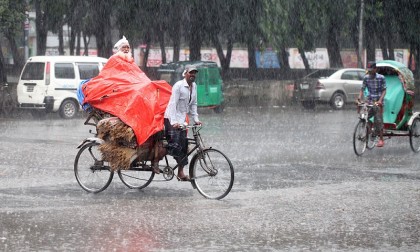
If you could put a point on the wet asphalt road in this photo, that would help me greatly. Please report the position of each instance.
(298, 187)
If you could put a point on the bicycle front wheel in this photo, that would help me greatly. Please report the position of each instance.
(212, 173)
(415, 135)
(92, 173)
(360, 138)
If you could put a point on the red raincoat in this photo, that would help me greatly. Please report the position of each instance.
(125, 91)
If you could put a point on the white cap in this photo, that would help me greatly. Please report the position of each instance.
(121, 42)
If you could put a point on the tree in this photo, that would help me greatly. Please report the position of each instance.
(12, 16)
(58, 10)
(41, 23)
(248, 30)
(80, 22)
(194, 27)
(101, 12)
(276, 29)
(173, 26)
(305, 28)
(221, 24)
(360, 38)
(407, 18)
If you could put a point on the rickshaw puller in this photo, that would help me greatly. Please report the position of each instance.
(376, 86)
(183, 101)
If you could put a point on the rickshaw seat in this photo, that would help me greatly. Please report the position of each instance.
(394, 99)
(390, 126)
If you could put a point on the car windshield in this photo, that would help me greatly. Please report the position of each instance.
(320, 73)
(33, 71)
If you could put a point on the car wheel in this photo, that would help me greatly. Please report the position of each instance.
(338, 101)
(219, 109)
(308, 104)
(68, 109)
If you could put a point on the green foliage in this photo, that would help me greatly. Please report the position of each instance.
(306, 24)
(12, 16)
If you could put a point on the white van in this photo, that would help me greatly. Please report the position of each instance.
(49, 83)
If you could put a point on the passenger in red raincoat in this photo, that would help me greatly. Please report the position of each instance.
(122, 89)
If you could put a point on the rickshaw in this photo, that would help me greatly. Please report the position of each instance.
(398, 116)
(127, 110)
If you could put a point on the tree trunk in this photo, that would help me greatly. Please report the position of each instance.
(391, 53)
(17, 56)
(283, 55)
(195, 46)
(252, 65)
(410, 58)
(360, 44)
(333, 47)
(174, 30)
(161, 37)
(195, 35)
(41, 28)
(177, 48)
(147, 39)
(304, 59)
(3, 72)
(224, 60)
(384, 49)
(60, 40)
(370, 42)
(103, 13)
(72, 41)
(417, 61)
(78, 45)
(86, 40)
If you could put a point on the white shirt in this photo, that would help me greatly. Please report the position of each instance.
(181, 103)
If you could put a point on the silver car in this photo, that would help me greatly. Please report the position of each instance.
(338, 88)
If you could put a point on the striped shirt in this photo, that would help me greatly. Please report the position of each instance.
(182, 102)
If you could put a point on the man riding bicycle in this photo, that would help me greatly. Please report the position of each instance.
(376, 89)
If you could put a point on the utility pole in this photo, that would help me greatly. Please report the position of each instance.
(360, 51)
(26, 34)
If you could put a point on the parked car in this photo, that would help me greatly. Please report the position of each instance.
(48, 83)
(336, 87)
(209, 82)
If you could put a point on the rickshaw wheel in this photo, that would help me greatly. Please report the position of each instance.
(360, 138)
(135, 178)
(415, 135)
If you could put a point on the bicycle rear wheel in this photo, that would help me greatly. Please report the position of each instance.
(92, 173)
(360, 138)
(136, 178)
(212, 173)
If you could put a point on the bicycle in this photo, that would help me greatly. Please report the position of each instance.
(364, 133)
(7, 101)
(210, 170)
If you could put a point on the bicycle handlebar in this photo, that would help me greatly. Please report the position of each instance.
(183, 127)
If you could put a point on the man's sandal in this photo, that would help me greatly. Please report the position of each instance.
(185, 178)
